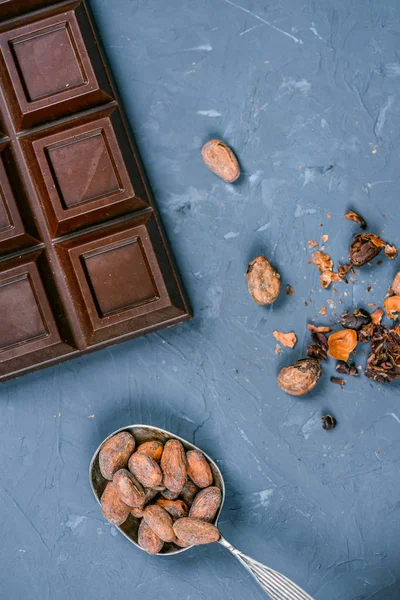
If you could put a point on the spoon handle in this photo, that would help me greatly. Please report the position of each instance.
(275, 584)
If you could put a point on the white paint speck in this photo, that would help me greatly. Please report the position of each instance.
(231, 234)
(20, 550)
(394, 416)
(309, 176)
(324, 124)
(255, 178)
(315, 32)
(246, 10)
(291, 85)
(99, 531)
(300, 211)
(74, 521)
(381, 120)
(392, 70)
(263, 497)
(212, 113)
(175, 369)
(309, 426)
(263, 227)
(204, 47)
(114, 532)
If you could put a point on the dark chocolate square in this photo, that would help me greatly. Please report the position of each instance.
(27, 323)
(84, 174)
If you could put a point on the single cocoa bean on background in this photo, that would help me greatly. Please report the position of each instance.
(263, 281)
(300, 378)
(115, 453)
(221, 160)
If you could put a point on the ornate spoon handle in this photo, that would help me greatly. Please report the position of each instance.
(275, 584)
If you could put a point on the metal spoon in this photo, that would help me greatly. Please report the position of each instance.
(275, 584)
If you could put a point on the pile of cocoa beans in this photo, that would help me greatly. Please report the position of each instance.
(170, 491)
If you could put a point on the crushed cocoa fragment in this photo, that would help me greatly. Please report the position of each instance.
(364, 247)
(383, 364)
(343, 270)
(338, 381)
(357, 319)
(322, 260)
(345, 368)
(312, 244)
(392, 306)
(396, 284)
(286, 339)
(289, 290)
(342, 343)
(328, 422)
(390, 251)
(319, 328)
(376, 316)
(325, 238)
(323, 311)
(316, 351)
(351, 215)
(327, 277)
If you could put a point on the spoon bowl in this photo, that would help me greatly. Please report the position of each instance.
(147, 433)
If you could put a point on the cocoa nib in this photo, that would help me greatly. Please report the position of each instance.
(319, 349)
(328, 422)
(289, 290)
(351, 215)
(383, 364)
(355, 320)
(345, 368)
(338, 381)
(343, 270)
(364, 247)
(315, 351)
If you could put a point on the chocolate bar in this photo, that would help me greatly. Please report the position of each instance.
(83, 260)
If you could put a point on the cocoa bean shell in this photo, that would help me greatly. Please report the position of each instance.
(137, 512)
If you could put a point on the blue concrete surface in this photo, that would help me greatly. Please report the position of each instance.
(295, 87)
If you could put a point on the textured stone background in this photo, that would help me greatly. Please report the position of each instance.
(307, 93)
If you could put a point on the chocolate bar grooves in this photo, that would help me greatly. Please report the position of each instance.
(81, 245)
